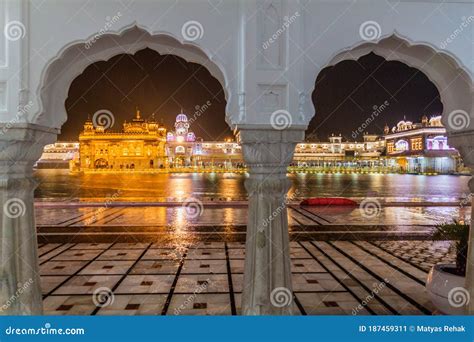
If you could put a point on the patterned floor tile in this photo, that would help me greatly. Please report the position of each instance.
(68, 305)
(124, 305)
(61, 267)
(145, 284)
(200, 304)
(82, 284)
(155, 267)
(107, 267)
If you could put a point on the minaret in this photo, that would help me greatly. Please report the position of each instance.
(88, 125)
(424, 121)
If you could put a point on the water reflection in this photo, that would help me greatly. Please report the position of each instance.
(60, 185)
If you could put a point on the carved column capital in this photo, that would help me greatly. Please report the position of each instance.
(21, 145)
(268, 151)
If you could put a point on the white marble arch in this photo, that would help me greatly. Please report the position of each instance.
(75, 58)
(454, 83)
(456, 89)
(267, 151)
(21, 144)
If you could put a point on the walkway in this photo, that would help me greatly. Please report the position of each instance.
(206, 278)
(157, 260)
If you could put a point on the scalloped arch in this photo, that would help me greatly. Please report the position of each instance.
(454, 83)
(74, 58)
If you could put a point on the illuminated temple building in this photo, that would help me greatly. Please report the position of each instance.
(145, 145)
(139, 146)
(421, 147)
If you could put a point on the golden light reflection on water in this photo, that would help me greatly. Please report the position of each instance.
(60, 185)
(180, 235)
(182, 188)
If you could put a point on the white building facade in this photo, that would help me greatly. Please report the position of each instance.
(266, 54)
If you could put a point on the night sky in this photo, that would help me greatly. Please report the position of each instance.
(344, 96)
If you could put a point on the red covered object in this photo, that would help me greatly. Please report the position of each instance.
(320, 201)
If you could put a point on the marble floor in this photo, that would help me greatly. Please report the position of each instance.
(159, 260)
(205, 278)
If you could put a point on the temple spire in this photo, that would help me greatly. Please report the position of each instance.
(137, 114)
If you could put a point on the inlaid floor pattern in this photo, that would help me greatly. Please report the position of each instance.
(329, 278)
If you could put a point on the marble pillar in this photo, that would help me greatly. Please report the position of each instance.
(470, 256)
(21, 146)
(464, 142)
(267, 286)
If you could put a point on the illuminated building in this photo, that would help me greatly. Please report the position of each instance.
(183, 149)
(180, 143)
(336, 152)
(139, 146)
(221, 154)
(421, 147)
(147, 146)
(60, 155)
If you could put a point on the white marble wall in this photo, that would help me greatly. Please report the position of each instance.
(266, 54)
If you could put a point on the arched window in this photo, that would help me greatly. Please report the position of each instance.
(401, 145)
(439, 143)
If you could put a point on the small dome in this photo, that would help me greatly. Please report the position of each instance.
(181, 118)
